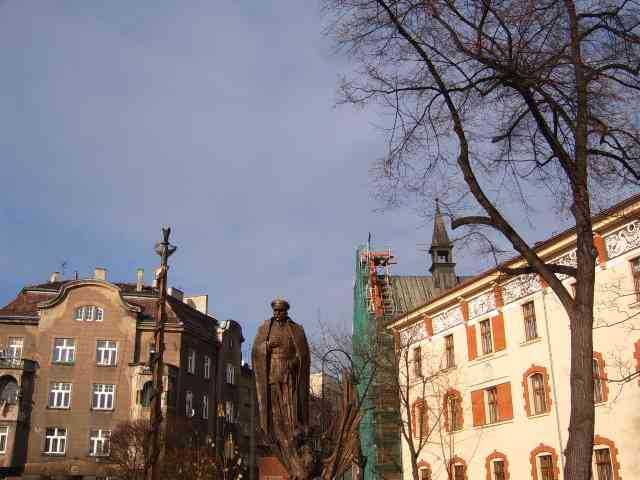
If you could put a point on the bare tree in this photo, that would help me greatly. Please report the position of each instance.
(129, 450)
(489, 97)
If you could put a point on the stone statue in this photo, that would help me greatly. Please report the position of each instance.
(280, 359)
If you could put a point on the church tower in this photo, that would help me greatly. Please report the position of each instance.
(442, 264)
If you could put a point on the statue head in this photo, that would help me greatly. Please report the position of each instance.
(280, 308)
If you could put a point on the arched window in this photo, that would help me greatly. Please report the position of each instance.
(147, 393)
(8, 390)
(605, 459)
(457, 469)
(497, 466)
(536, 389)
(544, 463)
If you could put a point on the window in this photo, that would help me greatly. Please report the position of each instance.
(191, 361)
(450, 358)
(492, 403)
(458, 472)
(55, 440)
(229, 411)
(106, 353)
(604, 469)
(60, 395)
(103, 396)
(546, 467)
(454, 412)
(207, 367)
(188, 403)
(146, 394)
(8, 390)
(230, 374)
(635, 269)
(539, 394)
(99, 443)
(417, 362)
(485, 335)
(4, 434)
(205, 406)
(89, 313)
(598, 385)
(498, 470)
(14, 347)
(530, 325)
(424, 473)
(229, 446)
(64, 350)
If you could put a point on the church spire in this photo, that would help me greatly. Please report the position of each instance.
(442, 264)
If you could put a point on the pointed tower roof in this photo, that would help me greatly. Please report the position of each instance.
(440, 235)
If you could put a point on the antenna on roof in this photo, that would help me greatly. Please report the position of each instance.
(63, 267)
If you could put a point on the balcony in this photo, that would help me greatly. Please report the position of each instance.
(11, 363)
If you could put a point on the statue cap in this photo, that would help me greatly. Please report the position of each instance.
(280, 301)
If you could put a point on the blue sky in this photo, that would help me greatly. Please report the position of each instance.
(217, 118)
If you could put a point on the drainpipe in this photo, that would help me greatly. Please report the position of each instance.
(553, 377)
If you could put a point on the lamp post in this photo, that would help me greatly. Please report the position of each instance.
(164, 249)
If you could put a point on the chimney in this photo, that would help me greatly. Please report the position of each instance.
(55, 277)
(139, 279)
(100, 273)
(176, 293)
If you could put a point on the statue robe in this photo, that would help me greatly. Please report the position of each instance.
(297, 393)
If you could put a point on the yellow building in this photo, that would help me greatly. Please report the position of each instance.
(487, 367)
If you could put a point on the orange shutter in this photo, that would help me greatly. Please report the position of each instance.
(505, 407)
(497, 324)
(471, 342)
(477, 407)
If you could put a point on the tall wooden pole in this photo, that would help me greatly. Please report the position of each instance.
(164, 249)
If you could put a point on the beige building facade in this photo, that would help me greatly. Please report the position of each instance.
(75, 363)
(490, 367)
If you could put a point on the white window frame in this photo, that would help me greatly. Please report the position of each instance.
(55, 437)
(65, 352)
(99, 442)
(4, 438)
(59, 395)
(228, 411)
(103, 396)
(188, 404)
(205, 407)
(15, 347)
(207, 367)
(107, 355)
(89, 313)
(191, 361)
(230, 374)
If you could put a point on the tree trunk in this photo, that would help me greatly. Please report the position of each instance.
(579, 450)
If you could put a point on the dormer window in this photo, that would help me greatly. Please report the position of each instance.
(89, 313)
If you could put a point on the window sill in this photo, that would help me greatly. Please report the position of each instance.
(495, 424)
(64, 364)
(539, 415)
(600, 404)
(51, 454)
(487, 357)
(448, 369)
(103, 409)
(531, 342)
(58, 408)
(103, 365)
